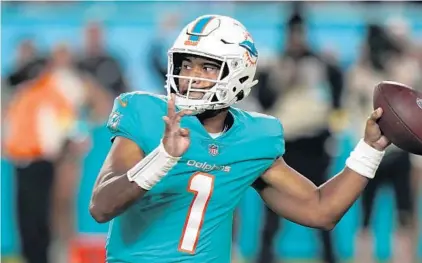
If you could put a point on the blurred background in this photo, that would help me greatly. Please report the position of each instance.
(64, 62)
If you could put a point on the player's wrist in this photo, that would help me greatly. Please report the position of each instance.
(150, 170)
(374, 145)
(365, 159)
(162, 149)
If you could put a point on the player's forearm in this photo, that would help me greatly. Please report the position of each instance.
(317, 207)
(337, 195)
(113, 196)
(115, 193)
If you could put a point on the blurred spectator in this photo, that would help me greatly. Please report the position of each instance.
(29, 64)
(385, 56)
(100, 64)
(45, 136)
(299, 84)
(159, 46)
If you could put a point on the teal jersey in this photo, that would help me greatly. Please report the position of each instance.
(187, 216)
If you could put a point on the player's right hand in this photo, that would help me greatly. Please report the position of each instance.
(176, 140)
(373, 136)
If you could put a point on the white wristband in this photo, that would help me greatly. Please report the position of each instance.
(149, 171)
(364, 159)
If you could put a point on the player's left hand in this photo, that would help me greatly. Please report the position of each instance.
(373, 135)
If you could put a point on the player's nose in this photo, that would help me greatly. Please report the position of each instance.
(196, 72)
(195, 82)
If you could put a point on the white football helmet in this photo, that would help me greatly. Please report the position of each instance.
(219, 38)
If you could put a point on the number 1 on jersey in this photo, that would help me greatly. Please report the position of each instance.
(201, 185)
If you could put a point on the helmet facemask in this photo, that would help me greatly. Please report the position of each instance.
(217, 96)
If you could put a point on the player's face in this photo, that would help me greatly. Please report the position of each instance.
(199, 68)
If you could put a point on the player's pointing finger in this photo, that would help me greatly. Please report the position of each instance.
(168, 124)
(171, 111)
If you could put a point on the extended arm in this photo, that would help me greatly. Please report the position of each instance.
(294, 197)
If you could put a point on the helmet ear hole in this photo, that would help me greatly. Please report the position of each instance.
(241, 95)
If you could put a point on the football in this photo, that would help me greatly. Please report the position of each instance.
(401, 121)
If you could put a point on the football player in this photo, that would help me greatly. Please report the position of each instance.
(180, 164)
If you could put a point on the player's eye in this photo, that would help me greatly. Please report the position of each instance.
(186, 66)
(210, 69)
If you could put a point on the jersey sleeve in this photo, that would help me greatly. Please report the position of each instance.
(124, 120)
(277, 150)
(280, 143)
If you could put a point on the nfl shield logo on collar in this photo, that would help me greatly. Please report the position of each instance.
(213, 149)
